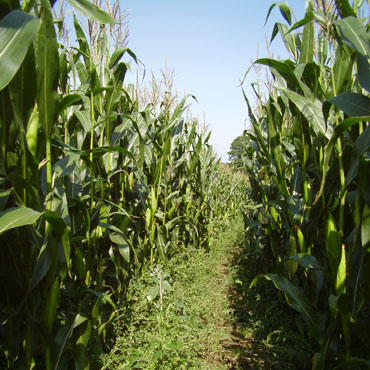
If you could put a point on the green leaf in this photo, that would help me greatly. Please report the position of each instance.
(62, 337)
(306, 260)
(4, 195)
(123, 247)
(68, 100)
(16, 217)
(91, 11)
(353, 33)
(333, 248)
(318, 361)
(352, 104)
(283, 68)
(47, 69)
(338, 131)
(362, 145)
(363, 71)
(353, 363)
(308, 41)
(311, 110)
(117, 55)
(17, 30)
(344, 8)
(365, 227)
(340, 283)
(99, 152)
(56, 222)
(308, 17)
(284, 10)
(342, 70)
(295, 298)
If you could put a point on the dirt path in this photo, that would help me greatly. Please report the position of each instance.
(259, 328)
(235, 350)
(209, 319)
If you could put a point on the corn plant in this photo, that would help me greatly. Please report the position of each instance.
(93, 189)
(307, 162)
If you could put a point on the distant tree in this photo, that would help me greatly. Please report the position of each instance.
(238, 151)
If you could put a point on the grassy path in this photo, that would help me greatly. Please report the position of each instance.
(196, 313)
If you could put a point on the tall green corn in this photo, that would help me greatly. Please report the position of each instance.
(307, 161)
(92, 188)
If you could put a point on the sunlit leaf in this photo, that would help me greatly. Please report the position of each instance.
(16, 217)
(17, 30)
(91, 11)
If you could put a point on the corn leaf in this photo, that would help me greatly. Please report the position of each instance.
(295, 298)
(91, 11)
(284, 10)
(16, 217)
(353, 33)
(338, 131)
(47, 69)
(342, 70)
(345, 9)
(363, 71)
(365, 227)
(123, 247)
(62, 337)
(311, 110)
(352, 104)
(306, 260)
(333, 248)
(17, 30)
(340, 283)
(362, 145)
(308, 39)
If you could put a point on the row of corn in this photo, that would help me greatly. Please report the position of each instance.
(307, 158)
(92, 188)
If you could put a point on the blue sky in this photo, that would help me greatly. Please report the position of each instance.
(210, 45)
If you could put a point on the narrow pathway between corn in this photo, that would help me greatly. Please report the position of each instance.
(205, 316)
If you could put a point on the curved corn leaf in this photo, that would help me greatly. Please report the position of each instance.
(363, 71)
(353, 33)
(353, 363)
(306, 260)
(362, 145)
(308, 40)
(340, 282)
(344, 8)
(283, 68)
(91, 11)
(16, 28)
(332, 244)
(16, 217)
(284, 10)
(352, 104)
(342, 70)
(295, 298)
(47, 69)
(123, 247)
(365, 227)
(338, 131)
(311, 110)
(62, 337)
(117, 55)
(308, 17)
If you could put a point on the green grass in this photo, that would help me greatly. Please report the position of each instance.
(206, 318)
(184, 331)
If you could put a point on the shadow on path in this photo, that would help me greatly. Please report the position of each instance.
(264, 333)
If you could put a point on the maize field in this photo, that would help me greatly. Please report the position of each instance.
(92, 189)
(307, 158)
(95, 189)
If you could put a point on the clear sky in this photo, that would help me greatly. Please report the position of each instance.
(210, 45)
